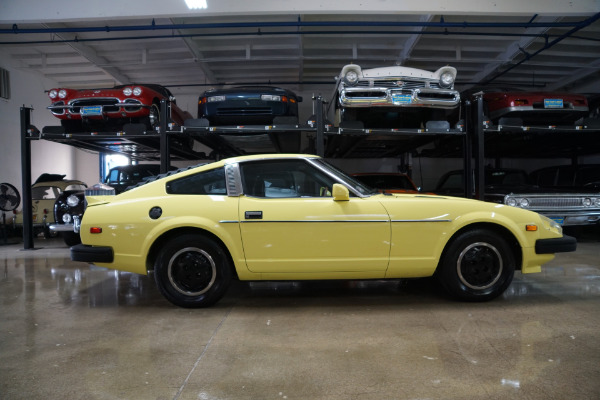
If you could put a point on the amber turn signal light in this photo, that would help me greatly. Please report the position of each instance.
(531, 228)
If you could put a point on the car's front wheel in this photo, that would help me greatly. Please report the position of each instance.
(478, 265)
(192, 270)
(153, 119)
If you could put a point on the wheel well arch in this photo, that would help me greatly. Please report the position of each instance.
(166, 236)
(498, 229)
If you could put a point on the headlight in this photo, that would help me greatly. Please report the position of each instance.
(62, 93)
(52, 94)
(212, 99)
(270, 97)
(127, 91)
(524, 203)
(446, 80)
(66, 218)
(137, 91)
(72, 200)
(511, 202)
(351, 77)
(587, 202)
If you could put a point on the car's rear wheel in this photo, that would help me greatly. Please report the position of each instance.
(192, 270)
(478, 265)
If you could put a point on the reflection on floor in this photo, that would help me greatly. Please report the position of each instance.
(70, 330)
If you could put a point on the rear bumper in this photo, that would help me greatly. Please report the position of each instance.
(92, 254)
(564, 244)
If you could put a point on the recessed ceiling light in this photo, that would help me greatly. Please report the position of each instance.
(194, 4)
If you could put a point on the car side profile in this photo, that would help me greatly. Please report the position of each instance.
(296, 217)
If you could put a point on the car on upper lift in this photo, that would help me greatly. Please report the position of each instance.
(521, 108)
(394, 97)
(297, 217)
(249, 105)
(109, 109)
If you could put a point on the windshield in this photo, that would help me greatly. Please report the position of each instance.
(349, 181)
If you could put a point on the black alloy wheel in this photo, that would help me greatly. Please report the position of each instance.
(192, 270)
(477, 265)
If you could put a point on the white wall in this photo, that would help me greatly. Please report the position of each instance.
(27, 89)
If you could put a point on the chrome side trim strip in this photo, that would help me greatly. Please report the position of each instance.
(312, 221)
(346, 220)
(421, 220)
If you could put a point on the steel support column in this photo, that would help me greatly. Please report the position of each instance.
(26, 179)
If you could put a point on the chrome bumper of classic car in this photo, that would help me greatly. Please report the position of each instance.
(97, 106)
(582, 110)
(564, 244)
(92, 254)
(74, 227)
(386, 97)
(573, 218)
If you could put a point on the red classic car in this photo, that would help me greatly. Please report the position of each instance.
(387, 182)
(535, 108)
(108, 110)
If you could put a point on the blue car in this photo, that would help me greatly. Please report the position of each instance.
(249, 105)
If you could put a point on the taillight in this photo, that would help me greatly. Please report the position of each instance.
(520, 102)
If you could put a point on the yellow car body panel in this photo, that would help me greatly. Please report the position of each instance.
(371, 237)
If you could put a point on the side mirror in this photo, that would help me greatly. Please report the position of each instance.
(340, 192)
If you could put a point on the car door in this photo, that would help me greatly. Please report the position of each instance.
(290, 223)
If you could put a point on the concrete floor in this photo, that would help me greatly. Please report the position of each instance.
(71, 331)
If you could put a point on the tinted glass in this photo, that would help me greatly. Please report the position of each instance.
(284, 178)
(207, 182)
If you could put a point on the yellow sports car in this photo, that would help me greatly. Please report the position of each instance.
(296, 217)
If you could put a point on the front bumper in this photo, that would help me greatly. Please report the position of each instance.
(389, 97)
(74, 227)
(92, 254)
(563, 244)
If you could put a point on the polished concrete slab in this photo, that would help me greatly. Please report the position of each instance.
(73, 331)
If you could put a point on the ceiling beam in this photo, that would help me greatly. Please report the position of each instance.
(90, 54)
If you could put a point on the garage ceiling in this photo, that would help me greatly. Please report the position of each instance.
(306, 52)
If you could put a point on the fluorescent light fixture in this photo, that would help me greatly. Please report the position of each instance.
(195, 4)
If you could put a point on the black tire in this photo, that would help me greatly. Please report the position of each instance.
(192, 271)
(71, 238)
(153, 119)
(48, 234)
(478, 265)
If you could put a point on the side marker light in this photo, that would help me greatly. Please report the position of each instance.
(96, 230)
(531, 228)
